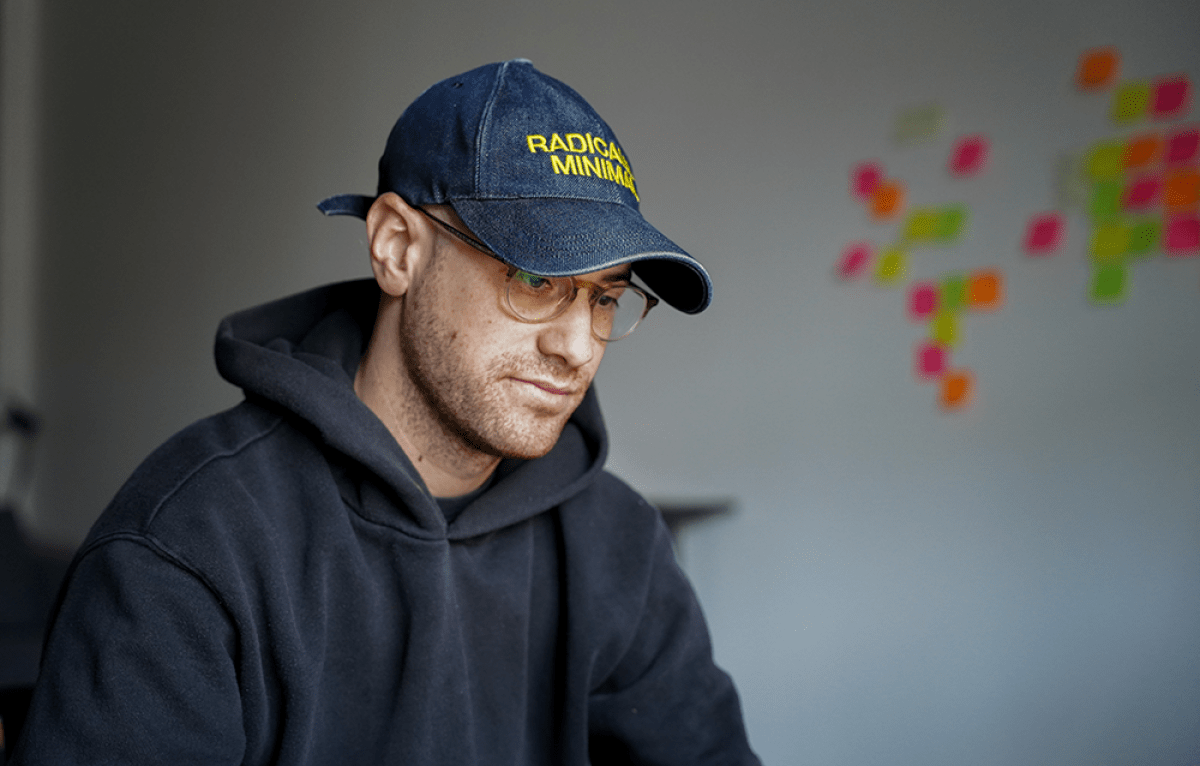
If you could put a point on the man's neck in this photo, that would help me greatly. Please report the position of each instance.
(447, 465)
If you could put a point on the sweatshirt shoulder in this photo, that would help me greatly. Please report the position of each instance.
(215, 448)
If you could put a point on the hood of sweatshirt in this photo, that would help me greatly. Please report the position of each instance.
(300, 354)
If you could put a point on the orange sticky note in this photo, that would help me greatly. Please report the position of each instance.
(1098, 68)
(985, 290)
(1181, 188)
(957, 387)
(887, 200)
(1143, 151)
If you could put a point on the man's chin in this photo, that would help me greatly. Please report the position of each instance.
(525, 443)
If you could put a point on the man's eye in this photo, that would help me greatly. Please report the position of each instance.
(532, 281)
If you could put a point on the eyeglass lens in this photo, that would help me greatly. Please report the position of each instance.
(616, 310)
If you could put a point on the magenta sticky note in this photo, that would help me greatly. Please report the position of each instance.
(1182, 236)
(864, 178)
(1142, 192)
(969, 155)
(1044, 234)
(855, 259)
(922, 300)
(1170, 97)
(1182, 146)
(930, 360)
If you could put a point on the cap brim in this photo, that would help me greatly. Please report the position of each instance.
(346, 204)
(560, 237)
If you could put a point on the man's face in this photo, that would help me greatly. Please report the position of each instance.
(500, 386)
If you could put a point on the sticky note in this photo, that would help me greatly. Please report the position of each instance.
(1142, 151)
(1182, 236)
(1181, 188)
(985, 290)
(1105, 160)
(1144, 237)
(1097, 68)
(865, 178)
(930, 360)
(969, 155)
(921, 224)
(952, 293)
(943, 328)
(1105, 204)
(922, 300)
(951, 221)
(1142, 192)
(919, 123)
(854, 260)
(957, 389)
(1109, 242)
(1044, 234)
(1170, 97)
(1130, 102)
(887, 201)
(1182, 146)
(892, 266)
(1109, 282)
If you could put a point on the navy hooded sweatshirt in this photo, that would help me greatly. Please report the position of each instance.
(276, 585)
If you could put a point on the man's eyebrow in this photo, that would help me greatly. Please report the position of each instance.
(621, 276)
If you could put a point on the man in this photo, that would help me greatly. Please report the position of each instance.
(402, 546)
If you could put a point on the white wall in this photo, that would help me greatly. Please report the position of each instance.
(1017, 583)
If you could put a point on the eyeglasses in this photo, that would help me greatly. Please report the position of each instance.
(617, 309)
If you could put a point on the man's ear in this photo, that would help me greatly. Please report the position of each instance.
(400, 241)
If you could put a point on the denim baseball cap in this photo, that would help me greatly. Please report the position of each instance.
(535, 174)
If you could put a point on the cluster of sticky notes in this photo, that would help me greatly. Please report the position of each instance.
(1141, 190)
(940, 305)
(882, 196)
(935, 225)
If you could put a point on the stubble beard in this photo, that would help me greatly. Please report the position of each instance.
(468, 406)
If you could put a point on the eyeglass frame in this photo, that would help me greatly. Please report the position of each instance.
(576, 284)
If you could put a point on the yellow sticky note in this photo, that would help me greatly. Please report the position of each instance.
(1110, 241)
(1129, 102)
(892, 265)
(921, 225)
(1105, 160)
(943, 328)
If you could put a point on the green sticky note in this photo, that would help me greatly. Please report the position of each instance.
(1109, 282)
(1105, 204)
(952, 293)
(1105, 160)
(891, 266)
(950, 224)
(1144, 237)
(1129, 102)
(1110, 241)
(943, 328)
(919, 123)
(921, 225)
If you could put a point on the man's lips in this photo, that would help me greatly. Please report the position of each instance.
(547, 386)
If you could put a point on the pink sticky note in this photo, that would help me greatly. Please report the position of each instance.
(1044, 234)
(854, 260)
(1182, 237)
(922, 300)
(1182, 147)
(1142, 192)
(969, 155)
(1170, 97)
(865, 177)
(930, 360)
